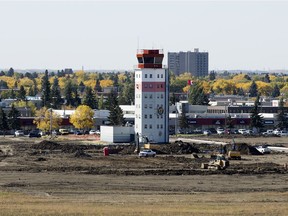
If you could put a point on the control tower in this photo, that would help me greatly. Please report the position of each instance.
(151, 96)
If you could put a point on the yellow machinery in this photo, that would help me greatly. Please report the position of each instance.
(236, 155)
(219, 163)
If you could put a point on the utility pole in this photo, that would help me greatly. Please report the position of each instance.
(50, 123)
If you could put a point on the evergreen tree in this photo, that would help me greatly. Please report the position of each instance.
(2, 73)
(183, 121)
(76, 99)
(3, 121)
(3, 84)
(126, 97)
(81, 87)
(256, 118)
(89, 98)
(101, 104)
(173, 99)
(281, 117)
(241, 92)
(22, 93)
(13, 118)
(10, 72)
(56, 95)
(276, 91)
(116, 114)
(30, 91)
(267, 78)
(68, 90)
(253, 90)
(197, 95)
(12, 94)
(45, 89)
(212, 75)
(97, 86)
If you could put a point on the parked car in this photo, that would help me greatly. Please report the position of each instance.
(268, 133)
(92, 132)
(147, 153)
(263, 149)
(282, 133)
(213, 130)
(63, 131)
(242, 131)
(78, 132)
(19, 133)
(206, 132)
(220, 131)
(34, 133)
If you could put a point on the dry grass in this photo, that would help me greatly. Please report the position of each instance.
(258, 203)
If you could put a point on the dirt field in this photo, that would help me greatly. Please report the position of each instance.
(72, 177)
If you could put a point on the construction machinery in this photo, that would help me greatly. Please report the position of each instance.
(219, 163)
(234, 154)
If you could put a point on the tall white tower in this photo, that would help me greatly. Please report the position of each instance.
(151, 97)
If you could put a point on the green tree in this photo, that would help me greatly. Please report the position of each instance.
(212, 75)
(253, 90)
(56, 95)
(197, 95)
(82, 118)
(276, 91)
(281, 117)
(256, 118)
(267, 78)
(229, 122)
(76, 98)
(10, 72)
(101, 104)
(13, 118)
(22, 93)
(68, 90)
(183, 121)
(45, 89)
(126, 97)
(116, 114)
(3, 121)
(90, 98)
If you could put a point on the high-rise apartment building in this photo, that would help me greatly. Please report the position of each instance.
(151, 97)
(195, 62)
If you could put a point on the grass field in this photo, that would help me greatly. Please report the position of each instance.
(263, 203)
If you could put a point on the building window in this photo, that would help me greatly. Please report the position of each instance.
(151, 76)
(157, 126)
(150, 106)
(161, 95)
(151, 96)
(161, 85)
(145, 126)
(157, 75)
(150, 116)
(145, 106)
(145, 116)
(161, 126)
(145, 75)
(150, 126)
(145, 86)
(150, 85)
(161, 75)
(145, 95)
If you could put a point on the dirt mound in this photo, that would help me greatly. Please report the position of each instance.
(178, 147)
(47, 145)
(82, 154)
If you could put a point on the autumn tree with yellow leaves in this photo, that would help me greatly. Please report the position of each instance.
(44, 120)
(82, 118)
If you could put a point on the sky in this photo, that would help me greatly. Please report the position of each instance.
(105, 35)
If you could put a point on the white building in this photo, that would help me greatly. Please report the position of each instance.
(151, 97)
